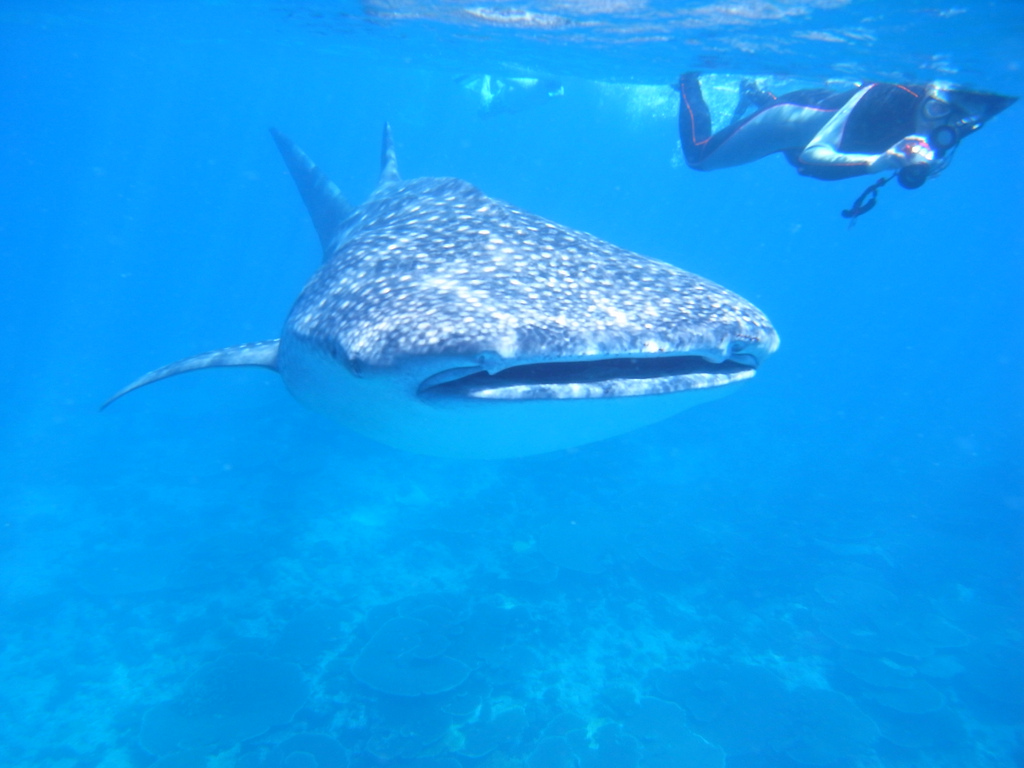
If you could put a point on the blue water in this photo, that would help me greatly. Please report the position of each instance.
(824, 568)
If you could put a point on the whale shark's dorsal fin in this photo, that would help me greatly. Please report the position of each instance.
(388, 161)
(260, 353)
(327, 207)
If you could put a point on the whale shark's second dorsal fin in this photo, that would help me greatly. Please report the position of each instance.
(327, 207)
(388, 161)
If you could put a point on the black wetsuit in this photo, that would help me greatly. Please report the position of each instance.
(882, 115)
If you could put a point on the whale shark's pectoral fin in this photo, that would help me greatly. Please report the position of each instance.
(326, 205)
(261, 353)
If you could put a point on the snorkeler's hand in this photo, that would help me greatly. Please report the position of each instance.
(912, 150)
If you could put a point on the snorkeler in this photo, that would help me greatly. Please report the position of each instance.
(909, 130)
(510, 94)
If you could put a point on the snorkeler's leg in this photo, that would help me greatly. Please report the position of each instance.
(694, 119)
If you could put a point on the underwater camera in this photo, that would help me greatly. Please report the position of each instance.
(913, 176)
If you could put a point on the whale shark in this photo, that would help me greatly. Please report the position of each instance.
(448, 323)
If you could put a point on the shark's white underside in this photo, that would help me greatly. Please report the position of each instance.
(387, 407)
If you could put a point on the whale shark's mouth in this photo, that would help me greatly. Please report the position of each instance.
(583, 379)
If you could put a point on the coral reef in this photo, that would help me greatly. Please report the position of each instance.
(233, 699)
(406, 657)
